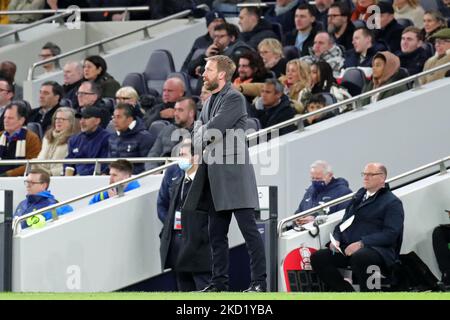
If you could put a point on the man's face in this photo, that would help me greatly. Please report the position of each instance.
(214, 24)
(244, 69)
(172, 91)
(71, 74)
(360, 42)
(246, 21)
(385, 19)
(321, 44)
(410, 42)
(12, 121)
(269, 95)
(33, 184)
(116, 175)
(317, 174)
(47, 99)
(211, 76)
(221, 39)
(89, 124)
(5, 95)
(335, 20)
(373, 178)
(85, 95)
(183, 115)
(44, 55)
(303, 20)
(120, 121)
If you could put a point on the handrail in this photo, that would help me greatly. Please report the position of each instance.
(82, 10)
(96, 161)
(102, 42)
(35, 24)
(331, 203)
(120, 185)
(298, 120)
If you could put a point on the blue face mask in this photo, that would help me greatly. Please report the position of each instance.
(184, 164)
(319, 185)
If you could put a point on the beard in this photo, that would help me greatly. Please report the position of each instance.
(211, 85)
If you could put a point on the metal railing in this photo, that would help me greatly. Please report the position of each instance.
(82, 10)
(355, 101)
(57, 17)
(97, 162)
(100, 43)
(284, 222)
(119, 185)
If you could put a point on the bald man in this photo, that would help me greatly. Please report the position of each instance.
(173, 90)
(370, 234)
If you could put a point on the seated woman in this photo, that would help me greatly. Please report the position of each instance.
(94, 69)
(54, 145)
(297, 77)
(433, 21)
(322, 80)
(385, 68)
(271, 51)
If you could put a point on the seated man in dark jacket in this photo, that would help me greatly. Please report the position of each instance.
(254, 28)
(131, 139)
(273, 106)
(412, 56)
(91, 142)
(364, 49)
(391, 31)
(324, 188)
(370, 234)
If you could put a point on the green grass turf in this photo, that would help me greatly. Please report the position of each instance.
(226, 296)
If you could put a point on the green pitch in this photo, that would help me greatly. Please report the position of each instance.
(226, 296)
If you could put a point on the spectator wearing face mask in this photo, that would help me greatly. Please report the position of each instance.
(324, 188)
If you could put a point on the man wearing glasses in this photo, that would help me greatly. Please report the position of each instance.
(442, 56)
(339, 24)
(89, 95)
(369, 235)
(38, 197)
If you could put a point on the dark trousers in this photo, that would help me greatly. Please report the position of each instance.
(186, 281)
(326, 265)
(441, 239)
(219, 223)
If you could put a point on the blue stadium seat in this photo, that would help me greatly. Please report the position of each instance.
(354, 80)
(291, 52)
(253, 123)
(136, 80)
(159, 66)
(156, 127)
(36, 128)
(405, 22)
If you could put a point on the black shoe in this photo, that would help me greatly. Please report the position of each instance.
(255, 288)
(211, 288)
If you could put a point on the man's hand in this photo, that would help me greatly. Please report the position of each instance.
(53, 4)
(112, 192)
(167, 113)
(354, 247)
(304, 220)
(333, 248)
(212, 50)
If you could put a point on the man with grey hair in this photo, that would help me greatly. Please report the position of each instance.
(73, 77)
(273, 106)
(324, 188)
(370, 234)
(324, 48)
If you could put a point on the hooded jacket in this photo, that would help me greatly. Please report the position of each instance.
(38, 201)
(390, 72)
(337, 188)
